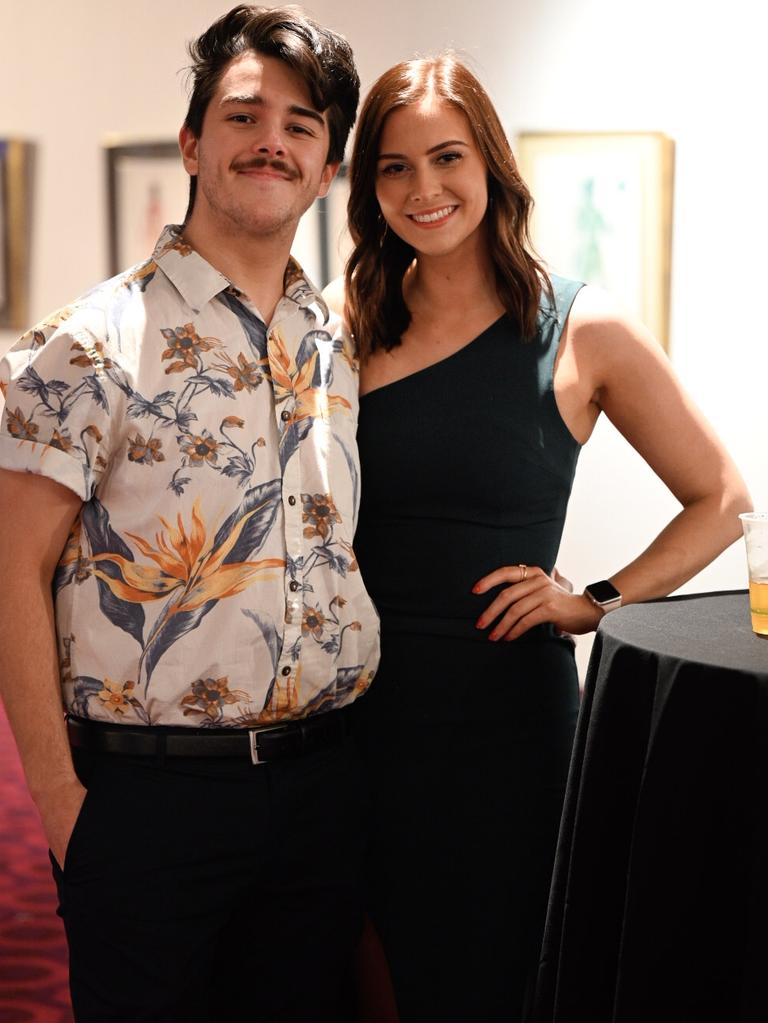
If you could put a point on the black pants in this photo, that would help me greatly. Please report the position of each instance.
(213, 890)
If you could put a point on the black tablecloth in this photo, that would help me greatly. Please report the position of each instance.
(659, 905)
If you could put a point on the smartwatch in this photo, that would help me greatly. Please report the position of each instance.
(604, 595)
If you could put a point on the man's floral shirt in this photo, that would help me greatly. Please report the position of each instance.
(209, 579)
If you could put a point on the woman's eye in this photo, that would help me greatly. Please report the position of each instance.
(391, 170)
(446, 158)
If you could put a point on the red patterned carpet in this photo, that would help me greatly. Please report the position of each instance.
(33, 954)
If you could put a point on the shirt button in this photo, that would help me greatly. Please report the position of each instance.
(285, 415)
(286, 670)
(291, 500)
(293, 586)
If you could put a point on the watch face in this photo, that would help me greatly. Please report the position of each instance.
(603, 592)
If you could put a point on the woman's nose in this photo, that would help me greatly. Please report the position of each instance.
(426, 186)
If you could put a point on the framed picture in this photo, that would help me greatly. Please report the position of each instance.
(147, 188)
(323, 243)
(603, 213)
(16, 168)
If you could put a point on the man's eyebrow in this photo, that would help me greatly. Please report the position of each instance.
(434, 149)
(307, 112)
(248, 99)
(244, 98)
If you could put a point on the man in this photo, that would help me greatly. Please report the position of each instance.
(179, 490)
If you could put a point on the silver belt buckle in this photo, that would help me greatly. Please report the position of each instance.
(252, 736)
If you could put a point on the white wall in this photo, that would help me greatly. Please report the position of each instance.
(72, 73)
(696, 72)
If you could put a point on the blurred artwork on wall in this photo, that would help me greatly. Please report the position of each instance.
(147, 188)
(603, 213)
(16, 172)
(323, 243)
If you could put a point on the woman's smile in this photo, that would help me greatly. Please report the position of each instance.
(433, 218)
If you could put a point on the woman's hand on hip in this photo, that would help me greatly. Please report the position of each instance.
(531, 597)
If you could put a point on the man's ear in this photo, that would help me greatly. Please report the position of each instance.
(188, 146)
(329, 173)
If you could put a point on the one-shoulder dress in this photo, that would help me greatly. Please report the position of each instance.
(467, 466)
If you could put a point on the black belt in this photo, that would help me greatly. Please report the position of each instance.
(262, 745)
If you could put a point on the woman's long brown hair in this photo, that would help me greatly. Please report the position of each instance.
(375, 307)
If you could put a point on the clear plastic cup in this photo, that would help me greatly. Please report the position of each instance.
(755, 525)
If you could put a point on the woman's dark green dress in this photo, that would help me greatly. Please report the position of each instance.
(466, 466)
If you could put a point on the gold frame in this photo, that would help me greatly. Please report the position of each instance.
(16, 170)
(610, 189)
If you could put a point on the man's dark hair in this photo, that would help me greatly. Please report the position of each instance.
(322, 58)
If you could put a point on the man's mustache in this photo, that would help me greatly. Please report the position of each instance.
(259, 162)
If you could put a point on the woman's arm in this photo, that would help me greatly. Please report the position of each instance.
(612, 364)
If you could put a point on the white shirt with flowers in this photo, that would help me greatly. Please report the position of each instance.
(209, 579)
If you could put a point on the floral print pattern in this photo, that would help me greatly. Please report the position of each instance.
(245, 374)
(200, 449)
(145, 452)
(116, 697)
(313, 622)
(20, 427)
(210, 577)
(208, 697)
(184, 347)
(320, 512)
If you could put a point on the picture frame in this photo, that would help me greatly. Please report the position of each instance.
(335, 241)
(147, 188)
(323, 243)
(16, 180)
(603, 213)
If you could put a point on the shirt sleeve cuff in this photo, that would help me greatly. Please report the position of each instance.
(45, 460)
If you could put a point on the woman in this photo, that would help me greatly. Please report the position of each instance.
(481, 377)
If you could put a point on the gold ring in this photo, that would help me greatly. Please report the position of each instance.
(523, 572)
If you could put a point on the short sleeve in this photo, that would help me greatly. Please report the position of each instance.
(62, 389)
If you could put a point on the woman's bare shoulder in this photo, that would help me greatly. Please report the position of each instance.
(594, 308)
(600, 326)
(333, 294)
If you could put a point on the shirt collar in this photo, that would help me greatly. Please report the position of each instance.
(198, 282)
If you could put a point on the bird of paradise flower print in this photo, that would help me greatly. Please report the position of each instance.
(305, 380)
(190, 569)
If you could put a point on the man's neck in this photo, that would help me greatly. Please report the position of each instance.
(255, 264)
